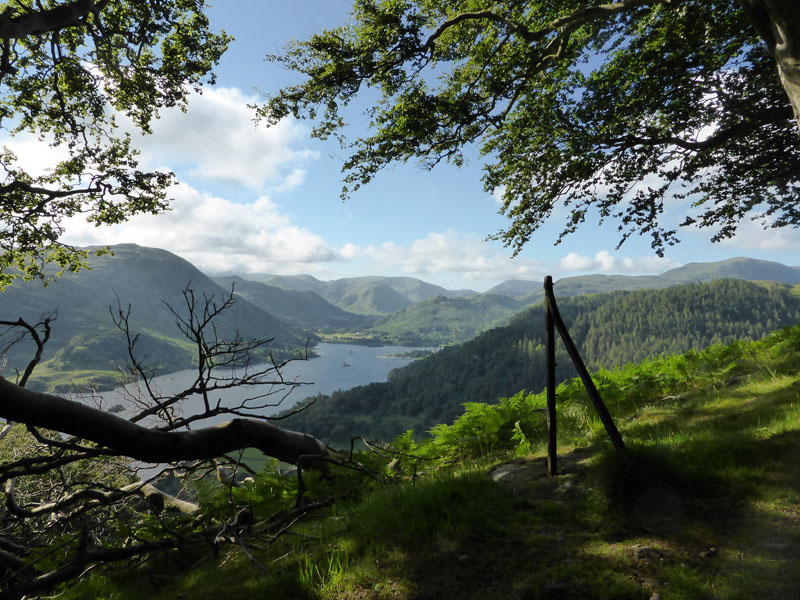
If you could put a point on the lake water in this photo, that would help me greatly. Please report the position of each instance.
(338, 367)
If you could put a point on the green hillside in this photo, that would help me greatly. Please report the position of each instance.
(443, 320)
(305, 309)
(457, 319)
(703, 505)
(86, 348)
(750, 269)
(367, 295)
(610, 329)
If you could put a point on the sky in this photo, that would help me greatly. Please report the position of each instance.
(258, 200)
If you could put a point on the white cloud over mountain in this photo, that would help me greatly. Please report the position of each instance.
(605, 262)
(215, 234)
(216, 139)
(215, 145)
(751, 235)
(451, 251)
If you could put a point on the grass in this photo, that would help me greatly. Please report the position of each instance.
(705, 504)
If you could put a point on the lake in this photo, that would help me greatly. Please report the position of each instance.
(338, 367)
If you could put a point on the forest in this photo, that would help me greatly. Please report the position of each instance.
(611, 329)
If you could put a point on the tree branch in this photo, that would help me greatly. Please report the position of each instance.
(44, 21)
(747, 124)
(140, 443)
(567, 23)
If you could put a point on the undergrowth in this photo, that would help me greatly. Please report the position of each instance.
(703, 504)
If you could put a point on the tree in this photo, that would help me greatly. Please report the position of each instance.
(67, 71)
(66, 472)
(608, 109)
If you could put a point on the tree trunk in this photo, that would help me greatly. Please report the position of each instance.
(148, 445)
(778, 24)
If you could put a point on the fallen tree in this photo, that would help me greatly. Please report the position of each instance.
(73, 475)
(119, 436)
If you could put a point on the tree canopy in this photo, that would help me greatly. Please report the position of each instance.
(68, 70)
(611, 110)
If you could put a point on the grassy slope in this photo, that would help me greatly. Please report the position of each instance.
(704, 506)
(443, 320)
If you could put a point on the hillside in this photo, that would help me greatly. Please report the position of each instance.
(300, 308)
(609, 329)
(703, 505)
(457, 319)
(443, 320)
(368, 295)
(86, 347)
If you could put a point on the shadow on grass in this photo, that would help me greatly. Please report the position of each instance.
(705, 507)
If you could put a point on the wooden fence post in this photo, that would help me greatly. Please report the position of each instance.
(550, 348)
(551, 311)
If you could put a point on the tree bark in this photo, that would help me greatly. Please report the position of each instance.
(43, 21)
(148, 445)
(778, 24)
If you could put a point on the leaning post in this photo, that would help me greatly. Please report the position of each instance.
(550, 348)
(591, 389)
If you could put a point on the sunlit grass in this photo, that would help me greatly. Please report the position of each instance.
(704, 504)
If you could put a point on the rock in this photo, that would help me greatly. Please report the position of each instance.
(713, 551)
(568, 488)
(504, 471)
(642, 552)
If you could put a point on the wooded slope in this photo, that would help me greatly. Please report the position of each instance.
(609, 329)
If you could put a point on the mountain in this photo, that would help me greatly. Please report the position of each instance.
(368, 295)
(738, 268)
(749, 269)
(85, 340)
(609, 329)
(516, 288)
(443, 320)
(414, 312)
(305, 309)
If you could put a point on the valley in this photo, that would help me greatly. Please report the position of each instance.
(492, 341)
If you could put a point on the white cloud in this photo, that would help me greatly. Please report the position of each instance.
(498, 193)
(605, 262)
(216, 139)
(751, 235)
(452, 252)
(216, 234)
(34, 155)
(350, 251)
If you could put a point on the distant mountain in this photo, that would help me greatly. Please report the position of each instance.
(609, 329)
(368, 295)
(516, 288)
(414, 313)
(737, 268)
(300, 283)
(304, 309)
(84, 338)
(443, 320)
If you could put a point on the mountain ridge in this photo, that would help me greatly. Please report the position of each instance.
(149, 282)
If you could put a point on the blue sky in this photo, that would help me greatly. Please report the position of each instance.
(258, 200)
